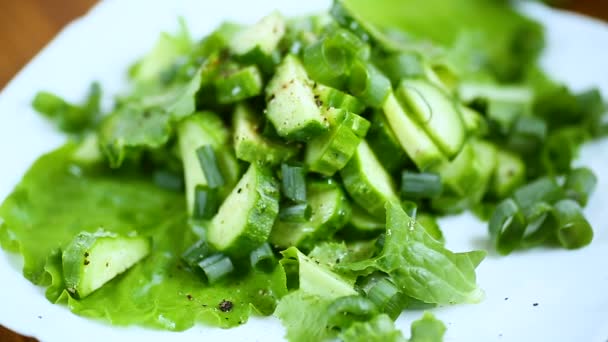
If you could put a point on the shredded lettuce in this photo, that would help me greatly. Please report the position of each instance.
(420, 265)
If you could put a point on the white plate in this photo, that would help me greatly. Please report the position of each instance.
(570, 287)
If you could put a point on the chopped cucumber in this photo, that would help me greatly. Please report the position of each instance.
(330, 212)
(509, 174)
(436, 112)
(257, 43)
(251, 146)
(93, 259)
(195, 132)
(330, 152)
(292, 108)
(367, 181)
(413, 139)
(385, 144)
(256, 197)
(332, 97)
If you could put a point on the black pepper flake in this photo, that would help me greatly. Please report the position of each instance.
(506, 298)
(239, 190)
(107, 264)
(319, 103)
(189, 296)
(225, 306)
(535, 304)
(86, 262)
(86, 254)
(39, 317)
(204, 305)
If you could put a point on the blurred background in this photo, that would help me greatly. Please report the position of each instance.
(26, 26)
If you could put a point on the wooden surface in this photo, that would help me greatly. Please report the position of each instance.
(27, 25)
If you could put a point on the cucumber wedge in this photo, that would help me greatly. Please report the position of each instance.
(330, 152)
(251, 146)
(245, 219)
(413, 139)
(436, 113)
(292, 107)
(367, 181)
(385, 144)
(257, 43)
(330, 212)
(93, 259)
(509, 174)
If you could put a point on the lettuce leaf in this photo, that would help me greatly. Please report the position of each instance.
(56, 200)
(427, 329)
(379, 329)
(508, 43)
(420, 265)
(304, 316)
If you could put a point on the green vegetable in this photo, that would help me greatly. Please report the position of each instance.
(123, 201)
(256, 196)
(91, 260)
(175, 205)
(69, 117)
(441, 276)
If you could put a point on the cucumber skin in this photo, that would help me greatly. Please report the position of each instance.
(260, 218)
(366, 197)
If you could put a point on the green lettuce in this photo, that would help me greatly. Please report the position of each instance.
(504, 42)
(57, 199)
(379, 329)
(70, 117)
(420, 265)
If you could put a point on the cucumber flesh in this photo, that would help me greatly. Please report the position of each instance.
(413, 139)
(436, 113)
(251, 146)
(93, 259)
(245, 219)
(367, 181)
(292, 108)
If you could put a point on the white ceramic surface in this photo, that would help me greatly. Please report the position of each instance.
(570, 287)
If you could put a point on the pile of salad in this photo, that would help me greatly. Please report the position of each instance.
(296, 167)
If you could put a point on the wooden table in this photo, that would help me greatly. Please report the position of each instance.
(27, 25)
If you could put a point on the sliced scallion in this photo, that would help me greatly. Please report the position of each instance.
(216, 267)
(294, 182)
(300, 212)
(262, 258)
(208, 162)
(420, 185)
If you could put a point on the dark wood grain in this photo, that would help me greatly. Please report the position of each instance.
(27, 25)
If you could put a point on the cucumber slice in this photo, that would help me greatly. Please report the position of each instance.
(363, 225)
(330, 212)
(459, 174)
(257, 43)
(413, 139)
(367, 181)
(436, 113)
(330, 152)
(332, 97)
(338, 116)
(251, 146)
(509, 174)
(93, 259)
(292, 108)
(245, 219)
(474, 122)
(385, 144)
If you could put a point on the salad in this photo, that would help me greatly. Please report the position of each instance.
(296, 167)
